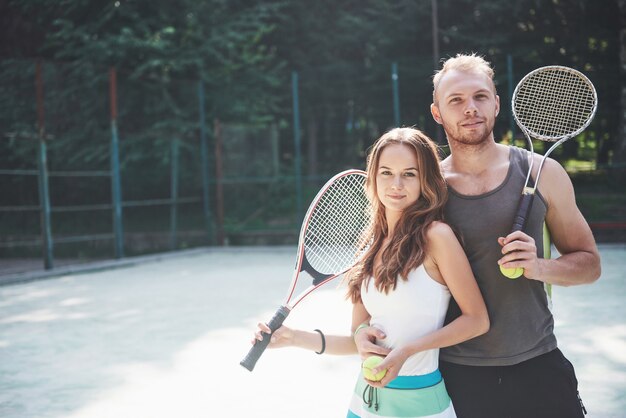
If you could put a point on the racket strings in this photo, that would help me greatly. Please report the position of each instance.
(334, 238)
(554, 103)
(334, 233)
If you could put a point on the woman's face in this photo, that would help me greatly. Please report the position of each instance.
(397, 180)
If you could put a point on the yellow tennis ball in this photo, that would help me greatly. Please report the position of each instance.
(512, 273)
(369, 364)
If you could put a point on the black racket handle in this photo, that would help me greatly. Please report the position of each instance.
(259, 347)
(525, 203)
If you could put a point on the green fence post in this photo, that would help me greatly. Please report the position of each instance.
(116, 188)
(275, 143)
(296, 139)
(42, 164)
(173, 193)
(204, 164)
(220, 237)
(44, 199)
(509, 70)
(396, 94)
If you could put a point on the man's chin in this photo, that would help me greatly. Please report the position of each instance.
(471, 140)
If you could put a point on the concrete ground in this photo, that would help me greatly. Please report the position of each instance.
(164, 339)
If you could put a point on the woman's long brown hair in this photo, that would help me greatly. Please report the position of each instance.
(407, 247)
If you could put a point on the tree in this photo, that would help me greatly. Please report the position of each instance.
(160, 51)
(582, 35)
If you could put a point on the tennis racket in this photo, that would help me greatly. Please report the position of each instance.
(333, 237)
(551, 104)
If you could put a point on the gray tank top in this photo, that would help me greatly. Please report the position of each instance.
(521, 321)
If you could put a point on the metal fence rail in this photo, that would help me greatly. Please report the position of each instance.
(213, 184)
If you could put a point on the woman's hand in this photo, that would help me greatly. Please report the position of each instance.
(282, 337)
(393, 362)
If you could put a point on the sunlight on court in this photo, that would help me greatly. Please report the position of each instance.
(204, 379)
(164, 339)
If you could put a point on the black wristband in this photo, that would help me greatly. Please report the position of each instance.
(323, 342)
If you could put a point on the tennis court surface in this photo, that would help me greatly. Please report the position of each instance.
(164, 339)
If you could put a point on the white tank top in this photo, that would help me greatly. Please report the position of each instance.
(414, 308)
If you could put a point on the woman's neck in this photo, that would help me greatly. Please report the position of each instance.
(392, 221)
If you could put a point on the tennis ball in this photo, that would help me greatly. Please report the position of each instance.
(512, 273)
(369, 364)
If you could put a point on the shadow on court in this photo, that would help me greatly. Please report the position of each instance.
(164, 339)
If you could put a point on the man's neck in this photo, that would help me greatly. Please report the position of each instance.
(474, 170)
(473, 159)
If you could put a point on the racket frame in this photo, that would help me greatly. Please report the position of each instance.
(302, 265)
(547, 138)
(319, 279)
(528, 193)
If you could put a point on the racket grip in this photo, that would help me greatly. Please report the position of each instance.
(525, 203)
(259, 347)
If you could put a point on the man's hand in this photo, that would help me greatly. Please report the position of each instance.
(365, 340)
(520, 250)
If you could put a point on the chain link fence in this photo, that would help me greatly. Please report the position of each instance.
(188, 176)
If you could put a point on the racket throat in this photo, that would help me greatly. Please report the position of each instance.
(316, 275)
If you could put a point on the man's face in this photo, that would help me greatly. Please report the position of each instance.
(466, 105)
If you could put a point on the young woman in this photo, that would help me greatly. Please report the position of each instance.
(403, 285)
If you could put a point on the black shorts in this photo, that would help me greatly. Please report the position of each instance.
(542, 387)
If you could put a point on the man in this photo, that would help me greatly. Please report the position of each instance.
(515, 369)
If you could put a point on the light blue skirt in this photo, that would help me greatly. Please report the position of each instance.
(404, 397)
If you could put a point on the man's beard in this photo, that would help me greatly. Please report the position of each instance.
(453, 133)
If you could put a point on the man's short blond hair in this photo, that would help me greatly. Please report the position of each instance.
(469, 63)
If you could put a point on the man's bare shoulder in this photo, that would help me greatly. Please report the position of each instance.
(446, 166)
(554, 184)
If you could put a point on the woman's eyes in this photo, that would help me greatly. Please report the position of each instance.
(405, 174)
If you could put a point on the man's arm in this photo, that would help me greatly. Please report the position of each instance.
(365, 336)
(579, 262)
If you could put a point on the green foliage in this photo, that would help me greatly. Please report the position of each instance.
(244, 52)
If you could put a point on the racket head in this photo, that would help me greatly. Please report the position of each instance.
(335, 232)
(335, 235)
(554, 103)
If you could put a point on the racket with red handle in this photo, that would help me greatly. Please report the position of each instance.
(333, 237)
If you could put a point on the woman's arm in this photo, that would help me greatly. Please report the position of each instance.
(312, 340)
(455, 271)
